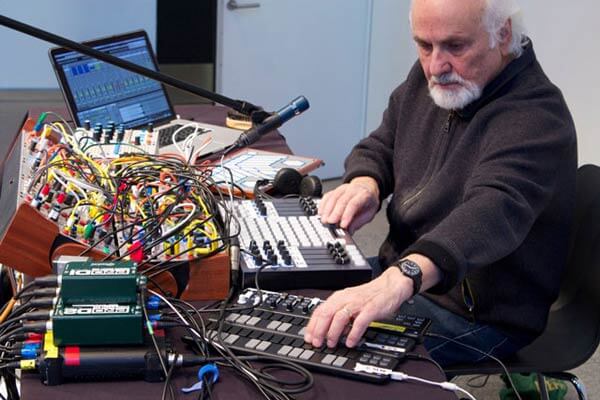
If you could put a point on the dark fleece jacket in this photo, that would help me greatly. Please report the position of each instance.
(486, 192)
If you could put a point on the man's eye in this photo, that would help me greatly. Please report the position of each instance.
(424, 46)
(456, 46)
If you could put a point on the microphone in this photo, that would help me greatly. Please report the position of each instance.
(274, 121)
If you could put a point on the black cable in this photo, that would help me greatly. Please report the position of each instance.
(5, 306)
(265, 382)
(197, 327)
(201, 327)
(419, 357)
(151, 332)
(114, 233)
(117, 184)
(168, 384)
(244, 370)
(302, 385)
(7, 335)
(470, 383)
(258, 189)
(231, 361)
(206, 387)
(136, 174)
(10, 382)
(496, 359)
(174, 233)
(164, 266)
(25, 289)
(26, 316)
(203, 310)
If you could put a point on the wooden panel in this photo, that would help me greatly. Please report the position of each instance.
(27, 243)
(208, 278)
(28, 247)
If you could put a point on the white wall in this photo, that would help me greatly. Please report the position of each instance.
(565, 37)
(25, 63)
(392, 55)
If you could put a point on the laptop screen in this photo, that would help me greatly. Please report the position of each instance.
(100, 92)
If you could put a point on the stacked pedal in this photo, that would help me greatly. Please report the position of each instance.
(286, 243)
(273, 324)
(99, 304)
(95, 330)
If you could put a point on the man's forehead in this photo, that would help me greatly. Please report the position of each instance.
(460, 14)
(450, 17)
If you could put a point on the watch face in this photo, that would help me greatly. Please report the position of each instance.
(410, 268)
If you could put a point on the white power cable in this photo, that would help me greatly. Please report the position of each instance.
(184, 221)
(401, 376)
(182, 151)
(67, 188)
(202, 147)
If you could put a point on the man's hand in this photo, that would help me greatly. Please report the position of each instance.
(351, 205)
(359, 305)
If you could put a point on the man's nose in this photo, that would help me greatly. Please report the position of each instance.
(440, 62)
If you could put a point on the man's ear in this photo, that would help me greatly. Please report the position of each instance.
(505, 37)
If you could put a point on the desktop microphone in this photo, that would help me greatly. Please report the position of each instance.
(274, 121)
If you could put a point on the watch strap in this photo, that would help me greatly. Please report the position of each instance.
(417, 279)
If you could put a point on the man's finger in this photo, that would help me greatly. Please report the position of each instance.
(340, 321)
(328, 203)
(367, 314)
(321, 326)
(353, 210)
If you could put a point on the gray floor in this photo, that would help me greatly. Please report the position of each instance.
(370, 237)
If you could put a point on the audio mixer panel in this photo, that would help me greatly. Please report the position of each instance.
(285, 242)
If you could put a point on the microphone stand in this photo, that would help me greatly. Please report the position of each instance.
(243, 107)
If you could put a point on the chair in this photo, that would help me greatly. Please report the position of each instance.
(573, 331)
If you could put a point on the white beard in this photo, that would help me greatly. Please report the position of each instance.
(453, 99)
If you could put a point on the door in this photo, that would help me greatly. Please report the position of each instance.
(271, 51)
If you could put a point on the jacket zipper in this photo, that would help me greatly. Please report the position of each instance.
(436, 160)
(468, 298)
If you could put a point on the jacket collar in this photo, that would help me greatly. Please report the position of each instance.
(514, 68)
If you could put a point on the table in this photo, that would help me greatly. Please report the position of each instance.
(229, 385)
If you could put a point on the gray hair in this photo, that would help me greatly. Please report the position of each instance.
(497, 12)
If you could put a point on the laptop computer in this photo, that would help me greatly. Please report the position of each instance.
(98, 92)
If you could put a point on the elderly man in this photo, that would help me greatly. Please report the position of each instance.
(478, 150)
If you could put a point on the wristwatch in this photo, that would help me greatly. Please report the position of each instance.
(411, 270)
